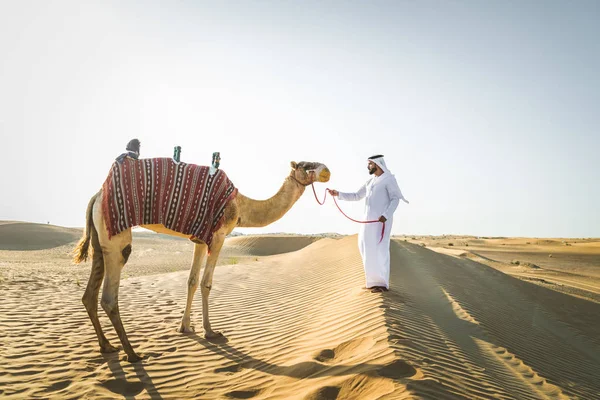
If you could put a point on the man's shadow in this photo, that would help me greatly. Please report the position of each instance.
(429, 328)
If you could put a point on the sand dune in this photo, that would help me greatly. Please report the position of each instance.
(570, 266)
(281, 316)
(30, 236)
(481, 333)
(267, 245)
(298, 326)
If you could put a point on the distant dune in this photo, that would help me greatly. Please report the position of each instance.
(16, 235)
(268, 245)
(567, 265)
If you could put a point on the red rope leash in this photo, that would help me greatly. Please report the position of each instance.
(344, 214)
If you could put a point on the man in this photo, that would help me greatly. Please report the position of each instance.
(382, 197)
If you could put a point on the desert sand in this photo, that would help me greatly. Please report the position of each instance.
(460, 320)
(567, 265)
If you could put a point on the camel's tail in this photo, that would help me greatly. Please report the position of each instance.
(83, 248)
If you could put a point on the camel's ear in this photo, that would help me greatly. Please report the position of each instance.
(294, 164)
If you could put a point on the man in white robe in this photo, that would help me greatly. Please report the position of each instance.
(382, 196)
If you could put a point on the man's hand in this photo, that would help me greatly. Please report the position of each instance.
(333, 192)
(382, 219)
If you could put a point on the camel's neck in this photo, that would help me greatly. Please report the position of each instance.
(258, 213)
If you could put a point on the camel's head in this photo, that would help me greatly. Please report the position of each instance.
(308, 172)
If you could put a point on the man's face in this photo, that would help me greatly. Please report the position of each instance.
(372, 167)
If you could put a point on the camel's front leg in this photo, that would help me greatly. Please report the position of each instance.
(199, 253)
(206, 284)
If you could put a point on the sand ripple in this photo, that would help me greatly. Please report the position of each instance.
(298, 326)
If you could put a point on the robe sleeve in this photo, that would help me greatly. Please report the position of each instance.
(395, 196)
(359, 195)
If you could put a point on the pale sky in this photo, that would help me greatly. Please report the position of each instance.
(487, 112)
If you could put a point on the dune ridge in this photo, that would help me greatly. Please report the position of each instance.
(267, 245)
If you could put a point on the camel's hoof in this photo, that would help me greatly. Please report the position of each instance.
(134, 357)
(183, 329)
(213, 335)
(108, 349)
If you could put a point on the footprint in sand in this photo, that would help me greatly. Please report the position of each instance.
(324, 393)
(397, 370)
(345, 351)
(59, 385)
(325, 355)
(123, 387)
(243, 394)
(148, 356)
(229, 370)
(358, 387)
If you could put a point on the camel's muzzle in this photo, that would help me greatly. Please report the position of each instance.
(324, 175)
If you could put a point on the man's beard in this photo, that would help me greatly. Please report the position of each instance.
(372, 170)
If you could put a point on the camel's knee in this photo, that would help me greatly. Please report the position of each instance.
(109, 305)
(89, 301)
(193, 283)
(86, 302)
(205, 286)
(126, 252)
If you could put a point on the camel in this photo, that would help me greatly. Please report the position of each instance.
(109, 255)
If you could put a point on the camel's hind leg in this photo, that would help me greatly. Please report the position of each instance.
(199, 254)
(115, 252)
(115, 257)
(90, 297)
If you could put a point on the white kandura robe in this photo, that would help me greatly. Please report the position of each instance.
(382, 197)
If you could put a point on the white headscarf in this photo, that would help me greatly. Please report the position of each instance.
(381, 163)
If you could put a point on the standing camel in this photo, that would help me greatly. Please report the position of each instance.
(111, 251)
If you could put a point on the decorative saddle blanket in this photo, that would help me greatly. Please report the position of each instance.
(183, 197)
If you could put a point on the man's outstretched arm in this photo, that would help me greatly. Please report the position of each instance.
(358, 195)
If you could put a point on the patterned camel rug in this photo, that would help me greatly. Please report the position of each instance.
(183, 197)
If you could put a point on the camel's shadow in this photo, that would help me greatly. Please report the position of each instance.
(129, 389)
(241, 360)
(302, 370)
